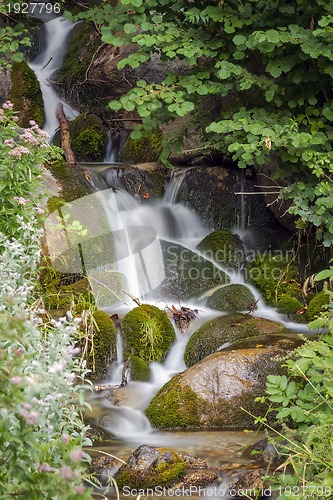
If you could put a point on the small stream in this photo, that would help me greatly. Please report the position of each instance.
(121, 415)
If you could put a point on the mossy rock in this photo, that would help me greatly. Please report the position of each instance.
(149, 467)
(146, 149)
(26, 95)
(223, 247)
(317, 304)
(147, 333)
(54, 203)
(188, 273)
(232, 298)
(226, 329)
(71, 181)
(290, 305)
(275, 277)
(89, 138)
(61, 291)
(82, 43)
(104, 345)
(140, 371)
(215, 392)
(166, 409)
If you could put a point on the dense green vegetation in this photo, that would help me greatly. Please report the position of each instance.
(258, 84)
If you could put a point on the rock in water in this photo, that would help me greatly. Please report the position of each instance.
(215, 392)
(149, 466)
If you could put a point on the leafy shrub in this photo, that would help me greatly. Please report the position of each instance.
(305, 399)
(41, 430)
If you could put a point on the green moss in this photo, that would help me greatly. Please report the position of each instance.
(174, 406)
(213, 334)
(61, 291)
(89, 138)
(147, 333)
(289, 305)
(82, 44)
(275, 277)
(165, 472)
(71, 180)
(316, 305)
(224, 247)
(140, 371)
(104, 345)
(178, 406)
(26, 95)
(54, 203)
(145, 149)
(232, 298)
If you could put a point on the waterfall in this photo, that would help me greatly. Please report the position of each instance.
(110, 156)
(45, 65)
(176, 181)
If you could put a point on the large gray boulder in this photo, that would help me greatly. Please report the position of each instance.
(219, 392)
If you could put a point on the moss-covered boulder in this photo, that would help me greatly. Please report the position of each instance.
(146, 149)
(139, 369)
(71, 181)
(102, 345)
(150, 466)
(316, 305)
(61, 291)
(232, 298)
(89, 138)
(212, 393)
(26, 95)
(226, 329)
(147, 333)
(188, 273)
(223, 247)
(277, 278)
(290, 305)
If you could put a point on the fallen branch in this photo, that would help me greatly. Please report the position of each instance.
(65, 137)
(135, 299)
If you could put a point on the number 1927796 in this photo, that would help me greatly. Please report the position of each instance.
(31, 8)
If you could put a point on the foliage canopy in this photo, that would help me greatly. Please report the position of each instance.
(257, 82)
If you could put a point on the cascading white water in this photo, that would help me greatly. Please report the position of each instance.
(45, 65)
(177, 179)
(110, 156)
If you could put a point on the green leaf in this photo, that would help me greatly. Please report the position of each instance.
(239, 40)
(18, 57)
(129, 28)
(115, 105)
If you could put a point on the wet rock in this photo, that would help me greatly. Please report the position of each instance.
(193, 462)
(197, 479)
(218, 392)
(233, 298)
(264, 451)
(250, 484)
(224, 330)
(187, 273)
(150, 466)
(144, 181)
(216, 203)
